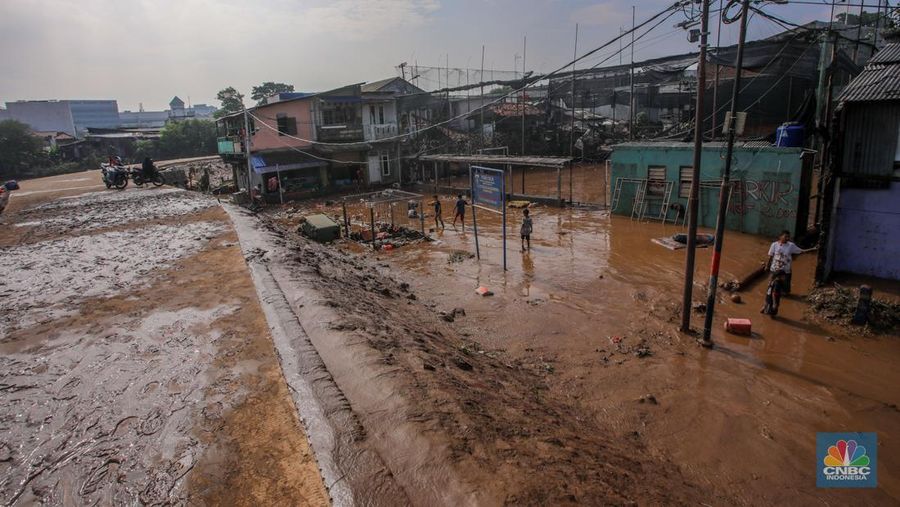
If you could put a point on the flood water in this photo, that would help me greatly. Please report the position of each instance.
(741, 417)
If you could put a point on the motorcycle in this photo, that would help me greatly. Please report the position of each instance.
(137, 175)
(114, 176)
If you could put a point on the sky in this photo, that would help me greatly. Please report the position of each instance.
(147, 51)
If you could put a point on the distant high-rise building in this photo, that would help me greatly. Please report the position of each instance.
(73, 117)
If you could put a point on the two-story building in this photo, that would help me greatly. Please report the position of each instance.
(383, 125)
(308, 142)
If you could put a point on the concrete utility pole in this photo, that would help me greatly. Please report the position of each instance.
(631, 100)
(726, 175)
(693, 201)
(572, 135)
(481, 98)
(524, 48)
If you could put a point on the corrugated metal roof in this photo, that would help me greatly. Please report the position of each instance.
(879, 81)
(498, 159)
(888, 54)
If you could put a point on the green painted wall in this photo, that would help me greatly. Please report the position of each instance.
(773, 183)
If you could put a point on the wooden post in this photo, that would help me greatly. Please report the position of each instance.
(346, 221)
(559, 184)
(392, 214)
(372, 219)
(422, 215)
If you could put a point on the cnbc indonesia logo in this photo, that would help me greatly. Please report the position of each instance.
(846, 462)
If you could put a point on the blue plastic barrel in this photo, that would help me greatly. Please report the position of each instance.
(789, 136)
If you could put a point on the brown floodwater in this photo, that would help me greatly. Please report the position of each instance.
(593, 291)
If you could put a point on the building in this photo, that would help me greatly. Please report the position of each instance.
(381, 127)
(73, 117)
(864, 195)
(177, 110)
(769, 191)
(310, 142)
(143, 119)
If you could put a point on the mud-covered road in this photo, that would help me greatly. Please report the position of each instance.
(136, 366)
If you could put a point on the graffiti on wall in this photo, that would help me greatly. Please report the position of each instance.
(770, 198)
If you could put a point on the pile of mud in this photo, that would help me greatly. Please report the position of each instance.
(508, 439)
(838, 304)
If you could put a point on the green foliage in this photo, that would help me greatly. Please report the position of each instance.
(268, 88)
(190, 138)
(20, 152)
(231, 102)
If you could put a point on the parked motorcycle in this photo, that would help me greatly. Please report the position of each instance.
(139, 178)
(114, 176)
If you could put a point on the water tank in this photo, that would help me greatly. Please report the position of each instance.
(789, 135)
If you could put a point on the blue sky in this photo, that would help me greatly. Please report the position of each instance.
(146, 51)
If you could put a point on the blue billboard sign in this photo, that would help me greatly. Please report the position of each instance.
(487, 187)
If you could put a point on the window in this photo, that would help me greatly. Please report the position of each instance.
(685, 174)
(286, 125)
(385, 164)
(656, 180)
(381, 115)
(372, 114)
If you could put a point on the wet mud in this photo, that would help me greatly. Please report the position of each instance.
(592, 311)
(136, 366)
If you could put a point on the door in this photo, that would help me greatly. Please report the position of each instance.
(374, 169)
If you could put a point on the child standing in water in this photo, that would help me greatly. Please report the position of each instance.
(773, 294)
(460, 211)
(525, 231)
(437, 212)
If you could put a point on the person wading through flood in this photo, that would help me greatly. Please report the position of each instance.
(460, 211)
(525, 231)
(781, 255)
(438, 218)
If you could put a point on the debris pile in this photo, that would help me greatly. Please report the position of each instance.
(388, 237)
(838, 304)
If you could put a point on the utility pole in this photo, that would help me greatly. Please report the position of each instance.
(715, 108)
(693, 201)
(572, 134)
(481, 98)
(524, 48)
(631, 100)
(724, 191)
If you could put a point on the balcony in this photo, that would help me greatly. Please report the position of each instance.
(349, 132)
(229, 145)
(376, 132)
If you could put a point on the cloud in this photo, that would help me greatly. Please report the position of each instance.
(602, 14)
(358, 19)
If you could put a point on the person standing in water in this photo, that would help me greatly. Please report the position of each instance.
(781, 255)
(460, 211)
(526, 229)
(438, 212)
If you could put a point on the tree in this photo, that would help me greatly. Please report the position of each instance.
(231, 102)
(268, 88)
(20, 152)
(868, 19)
(190, 138)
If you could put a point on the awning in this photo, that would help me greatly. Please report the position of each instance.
(260, 167)
(498, 159)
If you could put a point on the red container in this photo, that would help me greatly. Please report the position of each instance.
(738, 326)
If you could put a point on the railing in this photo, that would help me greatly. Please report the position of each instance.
(346, 132)
(375, 132)
(229, 145)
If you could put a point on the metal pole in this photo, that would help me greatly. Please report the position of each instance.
(280, 189)
(481, 98)
(724, 191)
(391, 205)
(524, 48)
(631, 100)
(474, 220)
(503, 193)
(691, 249)
(715, 107)
(372, 219)
(559, 184)
(422, 215)
(572, 133)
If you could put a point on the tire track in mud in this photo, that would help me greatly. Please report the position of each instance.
(452, 422)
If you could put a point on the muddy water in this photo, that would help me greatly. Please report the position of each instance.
(136, 366)
(598, 303)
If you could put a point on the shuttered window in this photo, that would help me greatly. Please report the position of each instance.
(656, 179)
(685, 173)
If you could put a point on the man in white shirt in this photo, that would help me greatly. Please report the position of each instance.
(781, 255)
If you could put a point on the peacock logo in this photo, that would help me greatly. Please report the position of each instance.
(846, 453)
(847, 460)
